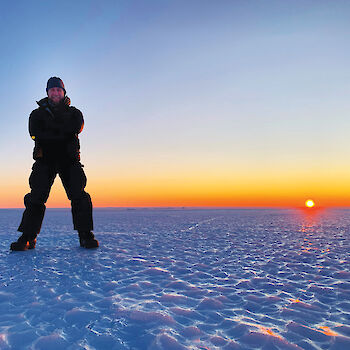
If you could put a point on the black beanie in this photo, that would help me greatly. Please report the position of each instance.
(55, 82)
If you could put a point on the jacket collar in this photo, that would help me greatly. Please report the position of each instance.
(45, 103)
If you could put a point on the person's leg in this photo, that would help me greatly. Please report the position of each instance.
(40, 181)
(74, 181)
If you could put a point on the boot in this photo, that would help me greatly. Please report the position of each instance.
(31, 243)
(23, 243)
(87, 240)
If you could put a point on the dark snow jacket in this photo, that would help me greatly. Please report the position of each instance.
(55, 129)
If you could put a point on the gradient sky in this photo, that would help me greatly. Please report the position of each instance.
(186, 102)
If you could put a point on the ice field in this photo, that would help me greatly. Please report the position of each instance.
(179, 279)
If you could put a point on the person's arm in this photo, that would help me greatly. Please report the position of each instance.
(78, 121)
(35, 133)
(34, 126)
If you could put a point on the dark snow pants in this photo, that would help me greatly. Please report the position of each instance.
(41, 179)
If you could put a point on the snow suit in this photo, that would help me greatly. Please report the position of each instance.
(55, 129)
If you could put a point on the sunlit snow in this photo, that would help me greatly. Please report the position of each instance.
(179, 279)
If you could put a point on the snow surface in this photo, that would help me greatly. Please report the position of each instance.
(179, 279)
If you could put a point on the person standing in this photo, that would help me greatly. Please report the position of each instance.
(54, 126)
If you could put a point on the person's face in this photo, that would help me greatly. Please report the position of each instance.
(55, 94)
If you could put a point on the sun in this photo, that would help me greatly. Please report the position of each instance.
(310, 203)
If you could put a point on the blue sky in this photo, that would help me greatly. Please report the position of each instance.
(173, 89)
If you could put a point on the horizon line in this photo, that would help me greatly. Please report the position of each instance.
(199, 207)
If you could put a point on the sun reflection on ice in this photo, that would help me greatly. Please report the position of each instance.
(310, 220)
(3, 339)
(327, 331)
(269, 331)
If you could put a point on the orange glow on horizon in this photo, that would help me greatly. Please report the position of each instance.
(177, 192)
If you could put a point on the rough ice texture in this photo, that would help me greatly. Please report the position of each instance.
(179, 279)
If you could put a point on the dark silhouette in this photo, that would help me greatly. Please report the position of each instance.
(54, 126)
